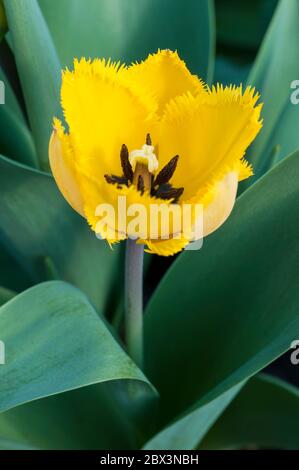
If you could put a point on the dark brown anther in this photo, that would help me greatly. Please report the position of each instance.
(166, 191)
(113, 179)
(177, 192)
(148, 139)
(166, 173)
(125, 163)
(140, 184)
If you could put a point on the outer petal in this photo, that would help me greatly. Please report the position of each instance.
(166, 75)
(217, 205)
(167, 240)
(214, 215)
(104, 111)
(165, 247)
(62, 165)
(210, 133)
(217, 211)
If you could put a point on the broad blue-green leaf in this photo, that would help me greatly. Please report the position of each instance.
(275, 68)
(10, 98)
(230, 308)
(264, 415)
(38, 67)
(128, 30)
(15, 138)
(55, 342)
(100, 416)
(187, 432)
(36, 222)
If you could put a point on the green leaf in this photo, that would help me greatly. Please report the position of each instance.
(36, 222)
(188, 431)
(12, 276)
(38, 67)
(232, 307)
(3, 21)
(123, 29)
(6, 295)
(102, 416)
(279, 52)
(55, 342)
(242, 24)
(10, 97)
(15, 139)
(267, 413)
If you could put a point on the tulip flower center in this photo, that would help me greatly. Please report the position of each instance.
(144, 163)
(145, 156)
(138, 169)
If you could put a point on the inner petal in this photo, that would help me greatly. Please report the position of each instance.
(103, 111)
(210, 134)
(166, 76)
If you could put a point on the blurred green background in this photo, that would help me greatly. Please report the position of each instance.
(240, 27)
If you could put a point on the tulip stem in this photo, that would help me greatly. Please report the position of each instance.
(134, 301)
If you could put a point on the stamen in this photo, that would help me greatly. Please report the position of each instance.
(166, 173)
(125, 163)
(113, 179)
(138, 167)
(148, 139)
(166, 191)
(142, 170)
(140, 184)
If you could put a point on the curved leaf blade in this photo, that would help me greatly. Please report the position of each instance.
(233, 305)
(16, 141)
(15, 138)
(273, 72)
(188, 431)
(38, 67)
(11, 99)
(92, 417)
(267, 413)
(56, 342)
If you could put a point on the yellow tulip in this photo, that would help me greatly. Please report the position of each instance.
(155, 133)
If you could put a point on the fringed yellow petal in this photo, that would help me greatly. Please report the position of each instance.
(62, 165)
(165, 247)
(245, 170)
(104, 110)
(210, 133)
(166, 76)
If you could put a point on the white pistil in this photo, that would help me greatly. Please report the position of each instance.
(146, 156)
